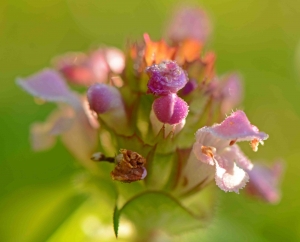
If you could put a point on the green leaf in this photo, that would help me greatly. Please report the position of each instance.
(158, 211)
(116, 221)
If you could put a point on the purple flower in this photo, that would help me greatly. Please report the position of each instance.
(166, 78)
(216, 146)
(72, 120)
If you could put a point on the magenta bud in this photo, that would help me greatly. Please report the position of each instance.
(103, 98)
(170, 109)
(166, 78)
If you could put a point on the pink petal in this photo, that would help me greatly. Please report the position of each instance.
(40, 137)
(92, 116)
(43, 134)
(237, 127)
(98, 65)
(48, 85)
(76, 68)
(264, 181)
(235, 154)
(115, 59)
(81, 138)
(189, 23)
(229, 177)
(231, 92)
(205, 137)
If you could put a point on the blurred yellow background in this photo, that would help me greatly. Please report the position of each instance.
(258, 38)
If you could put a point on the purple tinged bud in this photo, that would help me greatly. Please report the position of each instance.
(166, 78)
(103, 98)
(170, 109)
(189, 87)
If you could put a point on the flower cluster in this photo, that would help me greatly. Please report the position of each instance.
(159, 107)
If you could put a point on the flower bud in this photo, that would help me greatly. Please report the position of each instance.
(103, 98)
(166, 78)
(107, 102)
(170, 109)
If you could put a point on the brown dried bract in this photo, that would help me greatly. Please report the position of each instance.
(130, 167)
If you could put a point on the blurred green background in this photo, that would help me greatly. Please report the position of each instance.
(258, 38)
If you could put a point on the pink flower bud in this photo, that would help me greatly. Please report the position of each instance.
(103, 98)
(166, 78)
(170, 109)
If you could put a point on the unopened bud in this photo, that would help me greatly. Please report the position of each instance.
(170, 109)
(166, 78)
(107, 102)
(103, 98)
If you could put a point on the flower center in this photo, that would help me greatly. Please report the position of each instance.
(207, 150)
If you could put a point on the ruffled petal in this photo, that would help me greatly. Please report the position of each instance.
(237, 127)
(48, 85)
(264, 181)
(229, 177)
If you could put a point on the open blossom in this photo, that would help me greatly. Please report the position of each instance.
(71, 120)
(216, 146)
